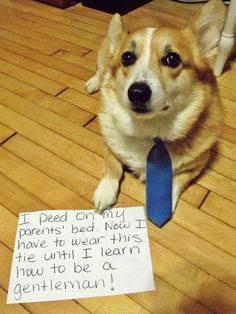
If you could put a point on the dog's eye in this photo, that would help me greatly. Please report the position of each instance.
(172, 60)
(128, 58)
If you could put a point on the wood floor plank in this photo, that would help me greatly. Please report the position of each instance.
(17, 199)
(207, 290)
(89, 18)
(56, 15)
(227, 93)
(224, 166)
(83, 101)
(57, 307)
(91, 13)
(52, 121)
(10, 308)
(27, 42)
(233, 66)
(5, 133)
(226, 82)
(156, 302)
(228, 105)
(199, 252)
(63, 78)
(183, 10)
(220, 208)
(230, 119)
(67, 29)
(63, 108)
(229, 134)
(49, 75)
(207, 227)
(5, 259)
(27, 57)
(57, 34)
(19, 87)
(226, 149)
(16, 59)
(76, 59)
(20, 29)
(31, 78)
(92, 55)
(59, 145)
(39, 184)
(106, 305)
(219, 184)
(47, 71)
(6, 234)
(229, 71)
(94, 126)
(194, 194)
(164, 19)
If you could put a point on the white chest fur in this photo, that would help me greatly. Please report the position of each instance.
(130, 140)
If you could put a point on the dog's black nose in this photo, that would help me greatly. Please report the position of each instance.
(139, 94)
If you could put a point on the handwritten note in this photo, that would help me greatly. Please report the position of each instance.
(65, 254)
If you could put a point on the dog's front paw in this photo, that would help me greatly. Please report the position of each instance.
(93, 84)
(106, 194)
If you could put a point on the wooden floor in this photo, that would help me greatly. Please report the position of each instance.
(51, 156)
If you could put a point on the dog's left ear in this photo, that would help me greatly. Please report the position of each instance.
(208, 26)
(115, 31)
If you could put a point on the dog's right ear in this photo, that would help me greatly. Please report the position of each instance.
(115, 32)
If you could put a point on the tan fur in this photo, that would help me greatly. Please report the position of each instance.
(191, 123)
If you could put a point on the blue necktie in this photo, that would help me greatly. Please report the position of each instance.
(159, 184)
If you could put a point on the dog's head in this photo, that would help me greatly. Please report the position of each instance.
(156, 71)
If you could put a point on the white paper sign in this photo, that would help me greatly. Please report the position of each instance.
(65, 254)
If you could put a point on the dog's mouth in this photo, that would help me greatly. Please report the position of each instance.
(165, 108)
(141, 109)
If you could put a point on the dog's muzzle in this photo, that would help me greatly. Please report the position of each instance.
(139, 95)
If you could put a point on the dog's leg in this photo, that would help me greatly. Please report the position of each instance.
(94, 83)
(106, 193)
(180, 182)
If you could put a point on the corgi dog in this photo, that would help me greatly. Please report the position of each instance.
(157, 82)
